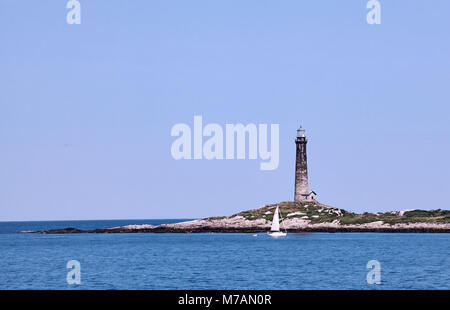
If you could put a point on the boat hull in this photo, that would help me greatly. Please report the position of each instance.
(276, 234)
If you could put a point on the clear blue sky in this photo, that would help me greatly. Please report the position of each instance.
(86, 110)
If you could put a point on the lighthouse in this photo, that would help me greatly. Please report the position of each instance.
(302, 192)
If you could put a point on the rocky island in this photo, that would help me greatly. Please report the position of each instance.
(298, 217)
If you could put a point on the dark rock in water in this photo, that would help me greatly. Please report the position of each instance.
(69, 230)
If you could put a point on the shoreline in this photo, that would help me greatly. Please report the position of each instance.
(207, 229)
(297, 217)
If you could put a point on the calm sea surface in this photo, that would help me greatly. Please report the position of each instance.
(218, 261)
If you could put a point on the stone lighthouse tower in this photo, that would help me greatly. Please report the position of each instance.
(302, 192)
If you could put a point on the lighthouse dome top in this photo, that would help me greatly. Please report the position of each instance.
(301, 132)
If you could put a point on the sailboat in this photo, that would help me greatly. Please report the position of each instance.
(275, 229)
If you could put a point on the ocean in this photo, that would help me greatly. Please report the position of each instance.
(218, 261)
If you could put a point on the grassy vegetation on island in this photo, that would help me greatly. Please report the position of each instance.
(319, 213)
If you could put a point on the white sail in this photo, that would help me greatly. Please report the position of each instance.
(275, 221)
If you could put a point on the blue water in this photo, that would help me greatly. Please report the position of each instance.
(218, 261)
